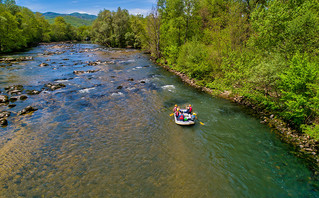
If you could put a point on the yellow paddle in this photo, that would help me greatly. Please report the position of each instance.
(171, 114)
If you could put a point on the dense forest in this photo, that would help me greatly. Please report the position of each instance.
(21, 28)
(265, 51)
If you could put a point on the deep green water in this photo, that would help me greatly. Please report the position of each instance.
(93, 138)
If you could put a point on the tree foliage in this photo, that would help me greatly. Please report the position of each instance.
(119, 29)
(266, 51)
(21, 28)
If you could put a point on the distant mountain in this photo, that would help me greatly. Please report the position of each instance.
(76, 19)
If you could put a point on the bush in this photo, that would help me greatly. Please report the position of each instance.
(298, 89)
(193, 60)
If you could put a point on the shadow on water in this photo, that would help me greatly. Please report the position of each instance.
(108, 133)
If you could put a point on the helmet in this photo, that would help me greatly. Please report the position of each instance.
(190, 105)
(176, 105)
(194, 113)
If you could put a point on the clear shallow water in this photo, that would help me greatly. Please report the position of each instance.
(109, 134)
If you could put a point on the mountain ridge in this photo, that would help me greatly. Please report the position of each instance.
(75, 19)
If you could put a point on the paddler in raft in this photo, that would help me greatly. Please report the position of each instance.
(189, 109)
(175, 108)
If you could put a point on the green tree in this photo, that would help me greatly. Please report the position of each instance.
(120, 26)
(102, 28)
(11, 37)
(84, 33)
(153, 34)
(286, 27)
(43, 27)
(297, 84)
(62, 31)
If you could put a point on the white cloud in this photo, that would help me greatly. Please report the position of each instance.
(137, 11)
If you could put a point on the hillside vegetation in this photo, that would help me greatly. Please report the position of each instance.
(75, 19)
(21, 28)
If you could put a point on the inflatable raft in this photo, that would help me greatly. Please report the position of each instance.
(184, 122)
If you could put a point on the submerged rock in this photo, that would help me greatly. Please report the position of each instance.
(14, 98)
(33, 92)
(85, 72)
(14, 89)
(23, 97)
(43, 64)
(26, 110)
(3, 122)
(54, 86)
(12, 105)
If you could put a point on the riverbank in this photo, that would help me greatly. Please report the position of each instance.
(304, 146)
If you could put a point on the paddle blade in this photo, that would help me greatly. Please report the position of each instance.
(171, 114)
(201, 123)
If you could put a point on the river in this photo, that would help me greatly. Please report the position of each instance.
(108, 133)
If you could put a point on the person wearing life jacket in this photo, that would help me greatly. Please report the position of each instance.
(181, 117)
(175, 108)
(189, 109)
(193, 117)
(177, 112)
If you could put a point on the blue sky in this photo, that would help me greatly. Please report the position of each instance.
(87, 6)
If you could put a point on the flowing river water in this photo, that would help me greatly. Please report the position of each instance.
(108, 133)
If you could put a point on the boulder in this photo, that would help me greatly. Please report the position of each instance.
(4, 99)
(3, 122)
(12, 105)
(14, 98)
(14, 89)
(33, 92)
(4, 114)
(43, 64)
(85, 72)
(23, 97)
(54, 86)
(26, 110)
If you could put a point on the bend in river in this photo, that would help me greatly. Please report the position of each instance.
(102, 129)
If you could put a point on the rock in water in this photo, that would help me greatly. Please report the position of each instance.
(4, 114)
(3, 122)
(32, 92)
(4, 99)
(12, 105)
(14, 98)
(55, 86)
(26, 110)
(23, 97)
(43, 64)
(14, 89)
